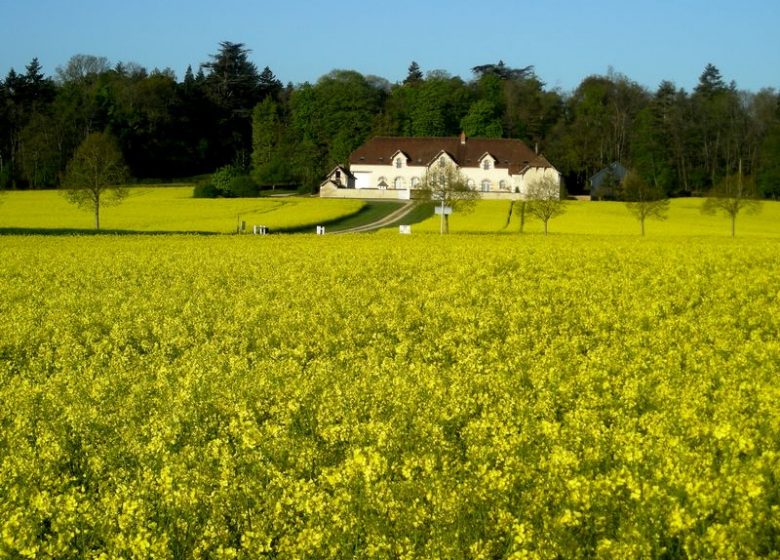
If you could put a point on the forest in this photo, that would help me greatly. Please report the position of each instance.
(228, 112)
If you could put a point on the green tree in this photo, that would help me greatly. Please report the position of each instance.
(583, 142)
(439, 104)
(644, 200)
(145, 119)
(544, 199)
(600, 116)
(269, 84)
(660, 147)
(332, 118)
(232, 83)
(769, 168)
(82, 67)
(769, 173)
(503, 71)
(23, 96)
(445, 185)
(6, 136)
(39, 155)
(530, 112)
(483, 120)
(85, 103)
(232, 80)
(719, 127)
(395, 118)
(731, 196)
(414, 75)
(266, 134)
(96, 174)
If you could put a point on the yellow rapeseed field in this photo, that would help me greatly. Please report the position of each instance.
(486, 396)
(612, 218)
(170, 209)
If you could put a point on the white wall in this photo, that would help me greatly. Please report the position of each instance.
(382, 194)
(368, 175)
(367, 178)
(535, 174)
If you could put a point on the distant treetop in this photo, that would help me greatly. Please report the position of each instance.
(503, 71)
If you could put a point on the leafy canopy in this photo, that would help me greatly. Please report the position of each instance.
(96, 169)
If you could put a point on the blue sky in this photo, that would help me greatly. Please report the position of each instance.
(301, 40)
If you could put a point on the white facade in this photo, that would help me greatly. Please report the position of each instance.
(396, 174)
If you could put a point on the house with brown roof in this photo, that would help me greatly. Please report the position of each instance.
(392, 167)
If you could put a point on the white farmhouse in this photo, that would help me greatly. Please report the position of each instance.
(392, 167)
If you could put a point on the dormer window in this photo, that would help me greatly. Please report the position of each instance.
(398, 163)
(442, 162)
(486, 164)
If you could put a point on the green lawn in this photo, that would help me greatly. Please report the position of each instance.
(169, 209)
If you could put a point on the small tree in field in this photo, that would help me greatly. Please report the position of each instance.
(544, 199)
(731, 196)
(447, 187)
(644, 200)
(95, 175)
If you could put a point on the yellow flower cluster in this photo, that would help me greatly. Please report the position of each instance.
(389, 397)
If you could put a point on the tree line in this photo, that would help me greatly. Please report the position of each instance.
(230, 113)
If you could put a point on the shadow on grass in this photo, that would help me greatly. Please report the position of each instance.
(421, 212)
(79, 232)
(371, 212)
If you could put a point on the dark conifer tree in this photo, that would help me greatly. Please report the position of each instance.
(415, 75)
(233, 85)
(268, 83)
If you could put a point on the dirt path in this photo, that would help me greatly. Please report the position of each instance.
(384, 222)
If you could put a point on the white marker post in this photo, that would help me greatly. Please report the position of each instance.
(443, 211)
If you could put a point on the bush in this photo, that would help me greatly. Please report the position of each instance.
(228, 182)
(243, 187)
(222, 178)
(205, 189)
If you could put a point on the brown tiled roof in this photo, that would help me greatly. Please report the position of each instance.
(511, 154)
(538, 161)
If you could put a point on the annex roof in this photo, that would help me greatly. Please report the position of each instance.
(346, 171)
(616, 169)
